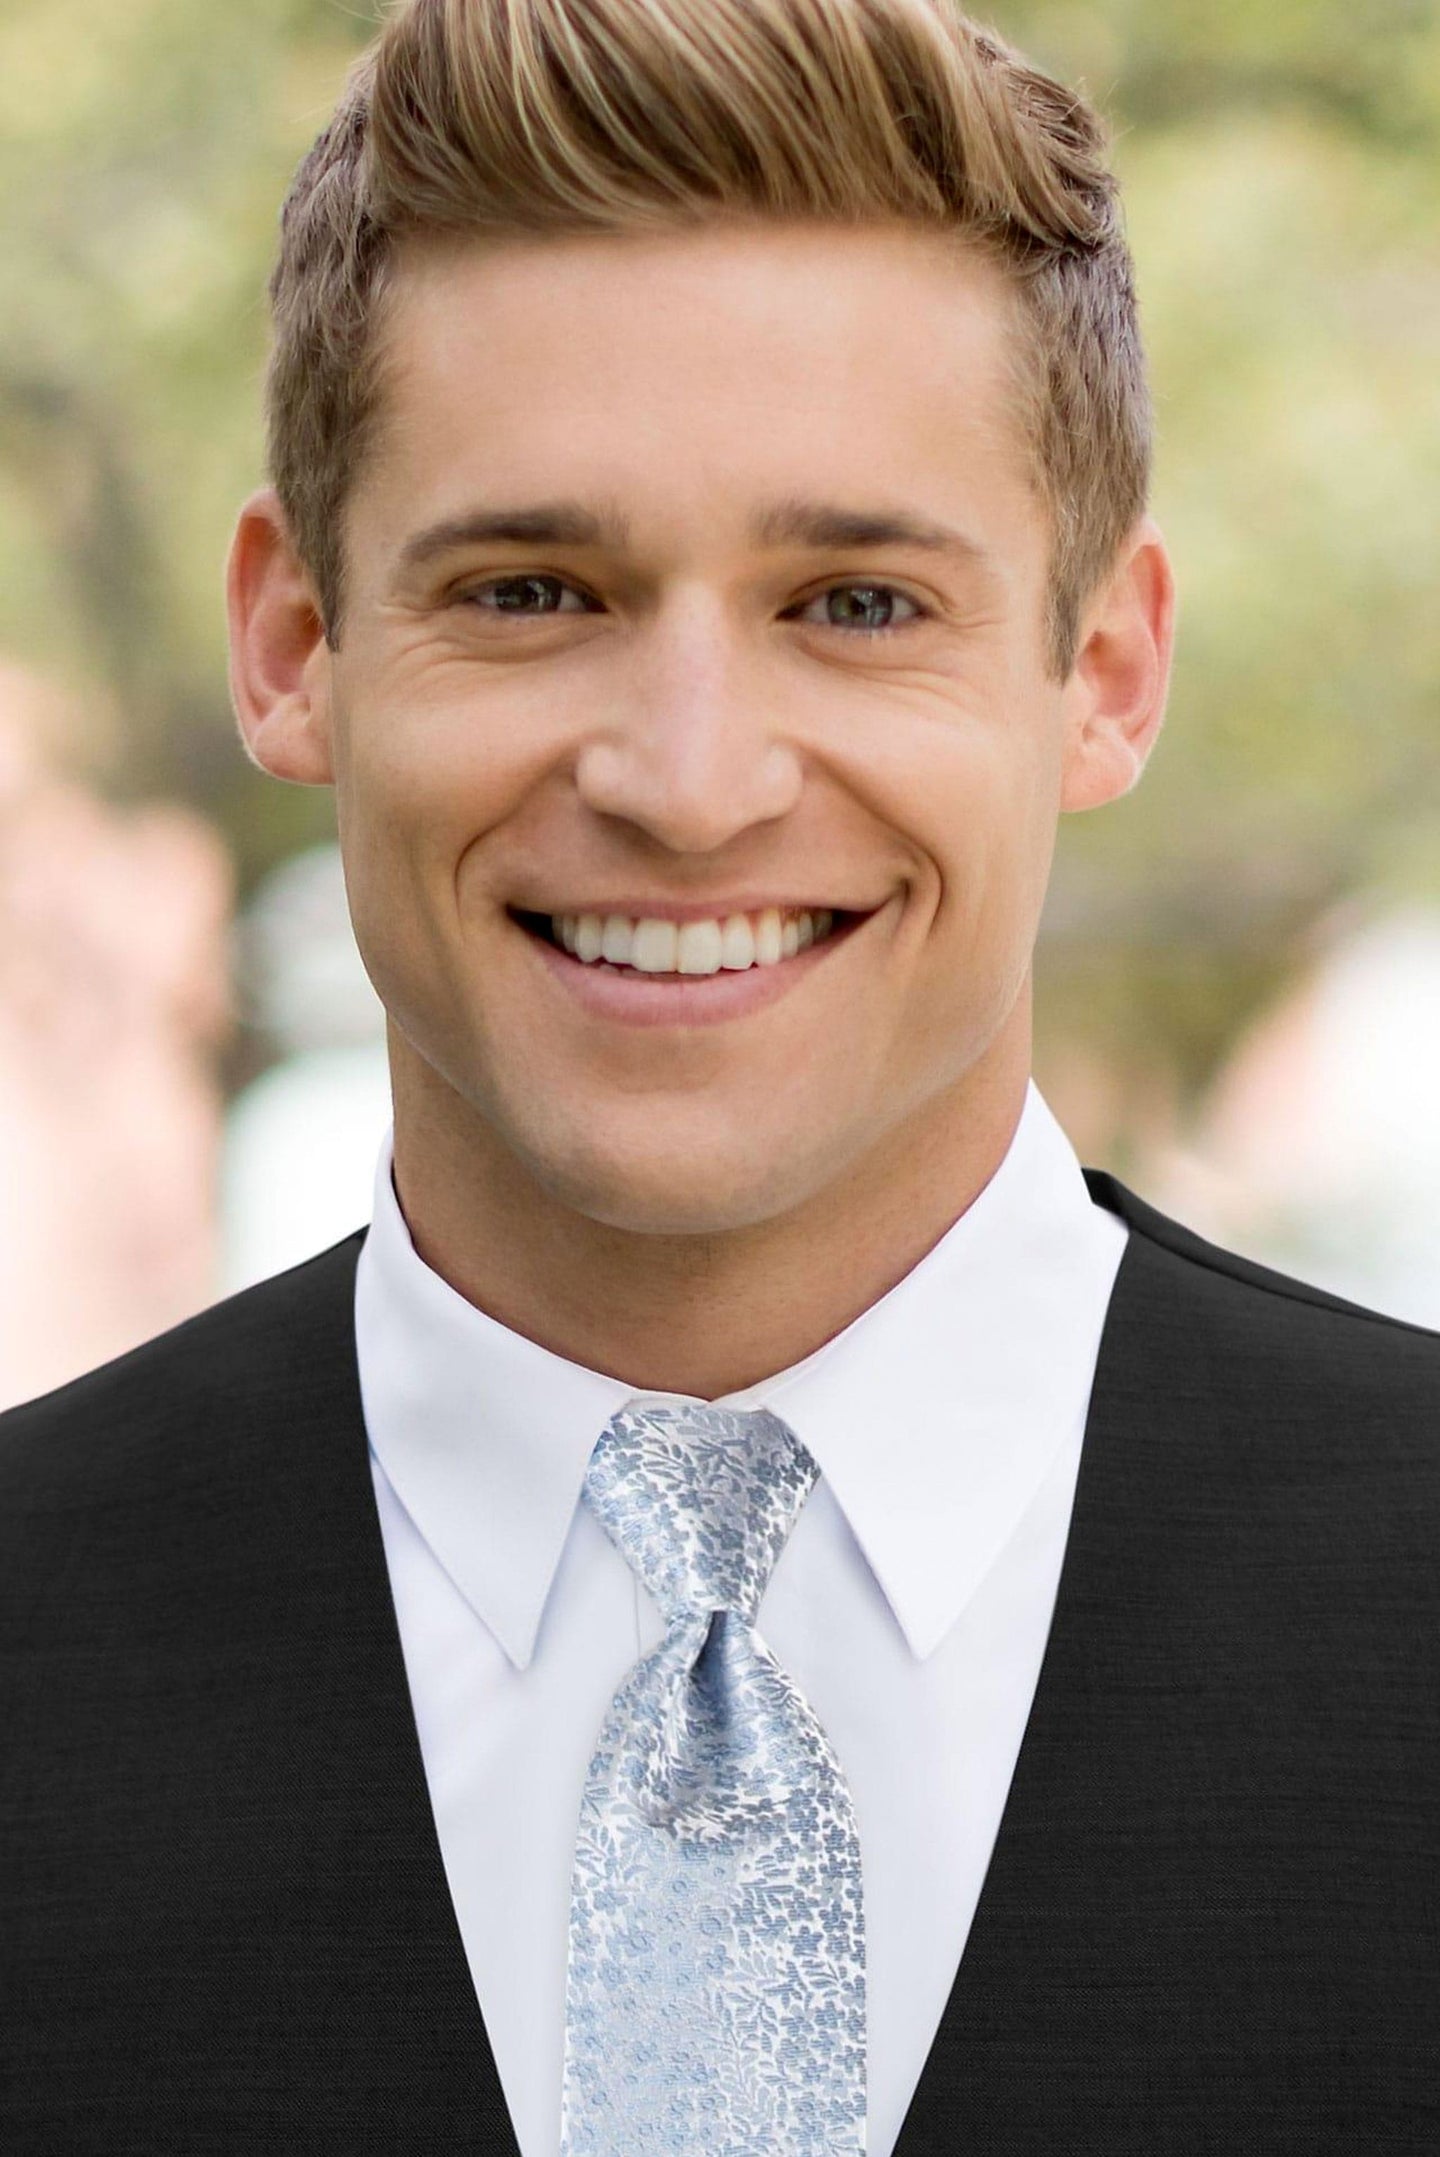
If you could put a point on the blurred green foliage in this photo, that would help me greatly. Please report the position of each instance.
(1281, 174)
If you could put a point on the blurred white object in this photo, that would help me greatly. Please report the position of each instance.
(298, 1162)
(297, 970)
(1320, 1148)
(298, 1156)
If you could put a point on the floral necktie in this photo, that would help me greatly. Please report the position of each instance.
(716, 1992)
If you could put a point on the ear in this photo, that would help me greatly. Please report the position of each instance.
(1114, 700)
(279, 661)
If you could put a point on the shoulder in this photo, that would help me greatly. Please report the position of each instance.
(1233, 1282)
(190, 1404)
(1250, 1337)
(1262, 1475)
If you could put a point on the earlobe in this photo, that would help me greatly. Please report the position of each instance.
(1115, 698)
(279, 662)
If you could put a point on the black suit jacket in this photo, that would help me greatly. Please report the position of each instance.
(1210, 1920)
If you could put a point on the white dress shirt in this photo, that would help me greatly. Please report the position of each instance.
(911, 1603)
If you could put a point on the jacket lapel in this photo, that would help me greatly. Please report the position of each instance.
(1050, 1890)
(1119, 1987)
(394, 2026)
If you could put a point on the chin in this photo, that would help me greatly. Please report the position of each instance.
(681, 1191)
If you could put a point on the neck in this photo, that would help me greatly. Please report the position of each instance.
(699, 1315)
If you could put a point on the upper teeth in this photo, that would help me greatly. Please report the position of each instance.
(653, 946)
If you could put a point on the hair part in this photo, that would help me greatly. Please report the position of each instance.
(495, 118)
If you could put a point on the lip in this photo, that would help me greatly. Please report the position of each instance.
(685, 910)
(632, 999)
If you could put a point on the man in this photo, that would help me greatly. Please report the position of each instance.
(754, 1608)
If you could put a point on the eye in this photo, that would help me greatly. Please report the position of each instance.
(864, 609)
(868, 609)
(524, 595)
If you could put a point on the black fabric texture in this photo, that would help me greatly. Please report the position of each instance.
(1210, 1920)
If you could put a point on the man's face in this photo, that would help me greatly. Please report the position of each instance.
(706, 704)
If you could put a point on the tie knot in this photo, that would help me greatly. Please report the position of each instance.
(699, 1500)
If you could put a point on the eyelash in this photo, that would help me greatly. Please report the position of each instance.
(859, 584)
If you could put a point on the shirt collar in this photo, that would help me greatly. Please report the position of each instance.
(934, 1416)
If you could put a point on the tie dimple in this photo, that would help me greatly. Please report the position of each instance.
(715, 1998)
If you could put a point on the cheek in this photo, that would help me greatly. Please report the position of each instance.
(983, 820)
(987, 838)
(443, 740)
(421, 790)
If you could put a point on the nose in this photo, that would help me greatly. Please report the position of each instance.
(696, 751)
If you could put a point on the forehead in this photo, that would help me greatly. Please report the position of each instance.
(697, 370)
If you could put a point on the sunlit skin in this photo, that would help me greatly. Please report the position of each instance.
(684, 718)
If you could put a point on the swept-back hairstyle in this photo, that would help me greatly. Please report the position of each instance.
(492, 117)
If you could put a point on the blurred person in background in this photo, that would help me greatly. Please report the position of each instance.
(708, 548)
(113, 1000)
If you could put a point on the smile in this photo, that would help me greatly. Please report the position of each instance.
(638, 969)
(651, 944)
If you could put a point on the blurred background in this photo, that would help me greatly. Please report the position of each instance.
(1239, 974)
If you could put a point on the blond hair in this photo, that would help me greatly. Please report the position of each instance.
(492, 117)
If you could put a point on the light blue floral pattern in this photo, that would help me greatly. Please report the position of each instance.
(716, 1992)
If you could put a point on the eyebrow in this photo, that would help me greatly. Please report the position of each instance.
(787, 523)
